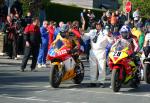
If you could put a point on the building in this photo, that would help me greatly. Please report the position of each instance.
(104, 4)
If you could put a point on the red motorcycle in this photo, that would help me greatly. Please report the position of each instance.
(65, 65)
(123, 67)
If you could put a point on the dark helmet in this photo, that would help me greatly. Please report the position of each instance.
(64, 28)
(99, 23)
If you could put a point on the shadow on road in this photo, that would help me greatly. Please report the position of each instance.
(142, 88)
(21, 79)
(82, 85)
(9, 64)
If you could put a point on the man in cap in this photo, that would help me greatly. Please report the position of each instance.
(99, 41)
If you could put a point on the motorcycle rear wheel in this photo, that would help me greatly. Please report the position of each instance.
(147, 73)
(79, 77)
(54, 77)
(115, 82)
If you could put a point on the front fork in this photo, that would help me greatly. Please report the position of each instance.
(61, 69)
(121, 72)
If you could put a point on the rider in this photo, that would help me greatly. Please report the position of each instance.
(68, 38)
(127, 39)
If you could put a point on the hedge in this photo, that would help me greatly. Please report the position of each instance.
(58, 12)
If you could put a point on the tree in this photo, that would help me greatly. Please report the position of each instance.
(1, 2)
(144, 6)
(33, 5)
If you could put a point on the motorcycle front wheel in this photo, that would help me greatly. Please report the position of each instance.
(115, 82)
(55, 77)
(147, 73)
(80, 73)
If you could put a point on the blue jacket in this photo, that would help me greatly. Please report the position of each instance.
(44, 35)
(56, 32)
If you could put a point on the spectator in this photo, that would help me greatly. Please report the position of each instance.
(28, 18)
(44, 45)
(84, 19)
(91, 18)
(108, 14)
(10, 30)
(75, 29)
(117, 14)
(2, 25)
(122, 18)
(136, 14)
(57, 30)
(32, 38)
(17, 8)
(104, 19)
(146, 25)
(113, 20)
(51, 30)
(19, 33)
(12, 16)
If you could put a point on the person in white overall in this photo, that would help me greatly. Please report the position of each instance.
(99, 41)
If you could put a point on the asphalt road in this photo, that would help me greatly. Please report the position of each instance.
(33, 87)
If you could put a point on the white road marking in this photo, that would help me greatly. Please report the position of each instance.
(110, 93)
(40, 91)
(57, 101)
(48, 86)
(24, 86)
(29, 99)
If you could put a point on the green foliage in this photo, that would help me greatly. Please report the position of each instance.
(25, 5)
(144, 6)
(32, 5)
(1, 2)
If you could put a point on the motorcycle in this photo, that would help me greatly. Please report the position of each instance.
(65, 65)
(124, 69)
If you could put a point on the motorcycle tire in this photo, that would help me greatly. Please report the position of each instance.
(115, 82)
(79, 77)
(135, 81)
(54, 77)
(147, 73)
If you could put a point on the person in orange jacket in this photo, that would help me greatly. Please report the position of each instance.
(113, 19)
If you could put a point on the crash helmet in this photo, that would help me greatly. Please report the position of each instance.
(125, 32)
(64, 28)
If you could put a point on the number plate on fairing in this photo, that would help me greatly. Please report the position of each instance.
(117, 54)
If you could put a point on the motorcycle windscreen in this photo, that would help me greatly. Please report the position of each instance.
(54, 49)
(120, 46)
(119, 51)
(59, 51)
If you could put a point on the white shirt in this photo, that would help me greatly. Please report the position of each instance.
(147, 38)
(102, 40)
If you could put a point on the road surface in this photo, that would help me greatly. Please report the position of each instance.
(33, 87)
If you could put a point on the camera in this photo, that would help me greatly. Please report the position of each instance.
(95, 39)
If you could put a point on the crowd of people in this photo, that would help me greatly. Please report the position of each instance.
(94, 36)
